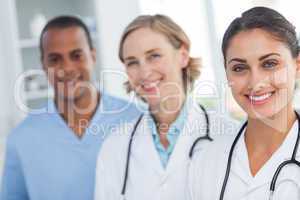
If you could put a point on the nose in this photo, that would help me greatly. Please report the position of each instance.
(145, 70)
(68, 65)
(258, 81)
(67, 69)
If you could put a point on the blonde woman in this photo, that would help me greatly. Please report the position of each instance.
(149, 158)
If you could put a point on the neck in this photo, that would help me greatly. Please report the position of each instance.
(80, 110)
(268, 134)
(166, 113)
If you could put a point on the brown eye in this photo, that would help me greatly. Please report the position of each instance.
(270, 64)
(239, 67)
(155, 55)
(132, 63)
(53, 60)
(77, 56)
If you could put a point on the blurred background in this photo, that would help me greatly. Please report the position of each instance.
(23, 84)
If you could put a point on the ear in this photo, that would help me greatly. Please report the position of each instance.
(184, 56)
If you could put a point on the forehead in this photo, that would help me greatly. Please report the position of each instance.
(59, 39)
(254, 43)
(143, 40)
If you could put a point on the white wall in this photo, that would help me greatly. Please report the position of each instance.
(113, 17)
(9, 61)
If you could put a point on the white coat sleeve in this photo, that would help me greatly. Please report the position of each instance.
(107, 185)
(191, 182)
(195, 175)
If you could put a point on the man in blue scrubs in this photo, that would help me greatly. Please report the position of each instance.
(52, 155)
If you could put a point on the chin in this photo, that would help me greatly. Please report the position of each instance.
(267, 112)
(260, 114)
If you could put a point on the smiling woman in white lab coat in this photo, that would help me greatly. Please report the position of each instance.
(153, 164)
(262, 63)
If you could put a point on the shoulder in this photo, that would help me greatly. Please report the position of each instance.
(219, 147)
(36, 124)
(220, 123)
(116, 143)
(223, 124)
(26, 134)
(208, 166)
(211, 162)
(119, 106)
(112, 156)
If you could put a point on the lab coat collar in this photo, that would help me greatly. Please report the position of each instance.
(240, 164)
(143, 146)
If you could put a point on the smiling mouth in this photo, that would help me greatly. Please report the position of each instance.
(70, 80)
(150, 86)
(260, 99)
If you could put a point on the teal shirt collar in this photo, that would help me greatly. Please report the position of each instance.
(174, 131)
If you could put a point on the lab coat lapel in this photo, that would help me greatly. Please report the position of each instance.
(284, 152)
(241, 168)
(143, 149)
(240, 163)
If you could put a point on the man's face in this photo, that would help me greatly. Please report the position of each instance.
(68, 61)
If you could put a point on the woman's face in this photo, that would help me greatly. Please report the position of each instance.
(154, 67)
(261, 72)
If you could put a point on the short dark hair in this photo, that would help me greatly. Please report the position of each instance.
(267, 19)
(65, 21)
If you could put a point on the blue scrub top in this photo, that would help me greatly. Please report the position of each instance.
(45, 160)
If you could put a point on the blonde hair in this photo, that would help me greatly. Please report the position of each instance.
(174, 33)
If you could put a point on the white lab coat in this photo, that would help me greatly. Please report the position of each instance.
(208, 168)
(147, 179)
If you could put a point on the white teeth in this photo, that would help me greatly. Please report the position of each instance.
(151, 85)
(261, 97)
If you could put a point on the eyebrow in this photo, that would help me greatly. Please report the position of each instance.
(53, 54)
(129, 58)
(267, 55)
(147, 52)
(260, 58)
(58, 54)
(151, 50)
(76, 51)
(237, 60)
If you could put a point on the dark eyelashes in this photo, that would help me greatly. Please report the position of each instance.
(238, 67)
(267, 64)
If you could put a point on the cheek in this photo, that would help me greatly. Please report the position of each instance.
(165, 65)
(158, 68)
(236, 91)
(86, 73)
(237, 84)
(133, 76)
(284, 78)
(171, 71)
